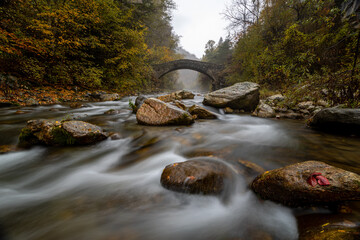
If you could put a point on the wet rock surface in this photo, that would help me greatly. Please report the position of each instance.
(55, 133)
(263, 110)
(290, 185)
(340, 120)
(243, 95)
(328, 226)
(139, 101)
(201, 113)
(102, 96)
(8, 148)
(201, 176)
(158, 113)
(178, 95)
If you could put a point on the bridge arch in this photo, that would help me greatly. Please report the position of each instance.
(213, 71)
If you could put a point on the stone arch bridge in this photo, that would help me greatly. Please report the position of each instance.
(213, 71)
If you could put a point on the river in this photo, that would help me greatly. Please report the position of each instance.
(112, 190)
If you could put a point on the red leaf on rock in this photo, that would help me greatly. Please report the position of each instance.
(323, 181)
(312, 181)
(315, 174)
(316, 178)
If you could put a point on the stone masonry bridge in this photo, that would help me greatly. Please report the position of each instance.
(213, 71)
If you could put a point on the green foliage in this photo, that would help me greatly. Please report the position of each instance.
(219, 53)
(132, 106)
(296, 43)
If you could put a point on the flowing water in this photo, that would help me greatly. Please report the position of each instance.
(112, 190)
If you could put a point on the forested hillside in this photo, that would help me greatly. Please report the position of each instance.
(302, 48)
(91, 44)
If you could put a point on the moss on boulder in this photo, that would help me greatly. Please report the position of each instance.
(56, 133)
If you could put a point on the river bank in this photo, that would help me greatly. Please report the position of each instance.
(55, 95)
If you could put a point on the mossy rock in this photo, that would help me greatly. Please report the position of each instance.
(55, 133)
(62, 137)
(27, 138)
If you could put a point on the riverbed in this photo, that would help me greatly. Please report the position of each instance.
(112, 190)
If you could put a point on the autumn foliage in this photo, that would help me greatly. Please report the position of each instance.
(92, 44)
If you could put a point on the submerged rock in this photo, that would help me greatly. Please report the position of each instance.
(248, 170)
(290, 185)
(55, 133)
(158, 113)
(243, 95)
(328, 226)
(113, 111)
(204, 176)
(8, 148)
(342, 120)
(201, 113)
(178, 95)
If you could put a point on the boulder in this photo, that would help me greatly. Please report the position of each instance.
(264, 111)
(309, 105)
(31, 102)
(322, 103)
(300, 185)
(342, 120)
(76, 105)
(158, 113)
(228, 110)
(178, 95)
(109, 97)
(102, 96)
(275, 98)
(243, 95)
(55, 133)
(139, 101)
(201, 112)
(199, 176)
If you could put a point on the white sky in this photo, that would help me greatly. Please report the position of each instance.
(197, 22)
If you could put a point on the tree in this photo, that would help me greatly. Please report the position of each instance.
(242, 13)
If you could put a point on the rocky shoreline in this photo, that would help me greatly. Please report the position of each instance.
(50, 96)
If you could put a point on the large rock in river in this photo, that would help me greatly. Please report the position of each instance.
(243, 95)
(344, 120)
(158, 113)
(291, 186)
(178, 95)
(55, 133)
(204, 176)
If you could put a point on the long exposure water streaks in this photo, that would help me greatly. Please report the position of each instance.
(112, 190)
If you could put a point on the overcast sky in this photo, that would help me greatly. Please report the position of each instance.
(197, 22)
